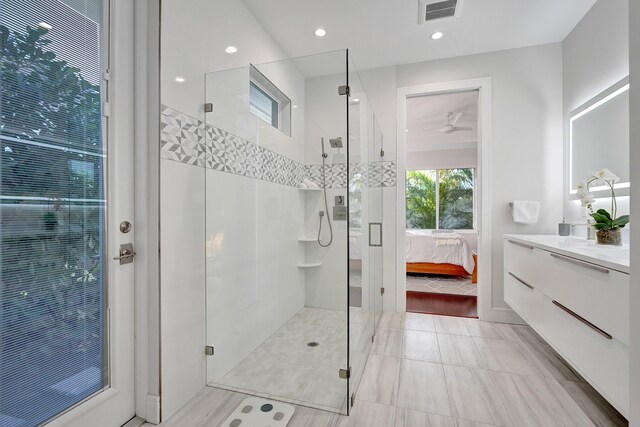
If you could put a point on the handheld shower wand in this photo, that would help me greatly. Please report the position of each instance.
(326, 204)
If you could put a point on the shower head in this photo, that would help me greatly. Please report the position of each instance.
(336, 142)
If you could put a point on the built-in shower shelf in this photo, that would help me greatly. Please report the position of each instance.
(310, 264)
(310, 189)
(307, 239)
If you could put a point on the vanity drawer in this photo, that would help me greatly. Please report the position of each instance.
(602, 361)
(522, 260)
(523, 298)
(595, 293)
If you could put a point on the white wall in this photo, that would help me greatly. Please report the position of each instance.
(595, 55)
(527, 138)
(442, 159)
(326, 117)
(194, 35)
(634, 14)
(527, 134)
(253, 281)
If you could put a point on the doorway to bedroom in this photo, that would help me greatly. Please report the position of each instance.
(440, 200)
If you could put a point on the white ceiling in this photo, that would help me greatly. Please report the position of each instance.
(427, 113)
(386, 32)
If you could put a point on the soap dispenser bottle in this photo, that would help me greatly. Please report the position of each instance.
(564, 229)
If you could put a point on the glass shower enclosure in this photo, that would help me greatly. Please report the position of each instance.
(293, 229)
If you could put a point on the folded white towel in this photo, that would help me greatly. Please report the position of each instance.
(525, 211)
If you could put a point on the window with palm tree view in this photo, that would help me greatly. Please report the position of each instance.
(440, 199)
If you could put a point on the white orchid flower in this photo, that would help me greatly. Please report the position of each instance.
(582, 189)
(605, 176)
(587, 200)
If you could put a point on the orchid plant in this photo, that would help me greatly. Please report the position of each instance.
(604, 220)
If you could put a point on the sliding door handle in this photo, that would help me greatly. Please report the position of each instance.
(377, 241)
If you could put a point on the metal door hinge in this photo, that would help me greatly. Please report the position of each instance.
(353, 399)
(373, 337)
(381, 152)
(344, 373)
(208, 107)
(381, 291)
(208, 350)
(126, 254)
(344, 90)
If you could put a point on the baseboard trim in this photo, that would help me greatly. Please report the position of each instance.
(502, 315)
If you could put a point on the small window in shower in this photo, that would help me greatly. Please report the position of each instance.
(269, 103)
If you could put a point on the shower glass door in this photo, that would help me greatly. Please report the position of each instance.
(365, 222)
(277, 304)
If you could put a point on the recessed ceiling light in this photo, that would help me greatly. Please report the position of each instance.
(231, 50)
(44, 25)
(179, 79)
(320, 32)
(295, 106)
(437, 35)
(406, 130)
(356, 100)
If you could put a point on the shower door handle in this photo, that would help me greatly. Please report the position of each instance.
(375, 240)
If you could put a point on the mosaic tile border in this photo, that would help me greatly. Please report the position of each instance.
(376, 174)
(186, 139)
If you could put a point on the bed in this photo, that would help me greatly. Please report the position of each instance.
(440, 253)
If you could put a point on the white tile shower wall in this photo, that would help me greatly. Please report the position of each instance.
(183, 274)
(193, 38)
(253, 212)
(253, 283)
(326, 118)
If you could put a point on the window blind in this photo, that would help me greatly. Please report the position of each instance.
(52, 209)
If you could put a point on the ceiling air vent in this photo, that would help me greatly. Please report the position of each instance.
(432, 10)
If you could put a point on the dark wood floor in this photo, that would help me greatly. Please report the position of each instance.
(442, 304)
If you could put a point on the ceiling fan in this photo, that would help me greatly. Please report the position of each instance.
(450, 127)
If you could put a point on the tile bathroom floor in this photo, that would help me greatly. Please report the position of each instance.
(455, 285)
(429, 370)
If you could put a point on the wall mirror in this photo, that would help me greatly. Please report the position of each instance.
(599, 137)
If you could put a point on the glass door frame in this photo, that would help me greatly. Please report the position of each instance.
(115, 403)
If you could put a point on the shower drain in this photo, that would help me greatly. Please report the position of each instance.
(313, 344)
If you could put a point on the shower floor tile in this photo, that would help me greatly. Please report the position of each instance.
(286, 369)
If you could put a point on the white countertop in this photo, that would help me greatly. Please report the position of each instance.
(613, 257)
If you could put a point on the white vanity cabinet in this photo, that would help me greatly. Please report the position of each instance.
(575, 294)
